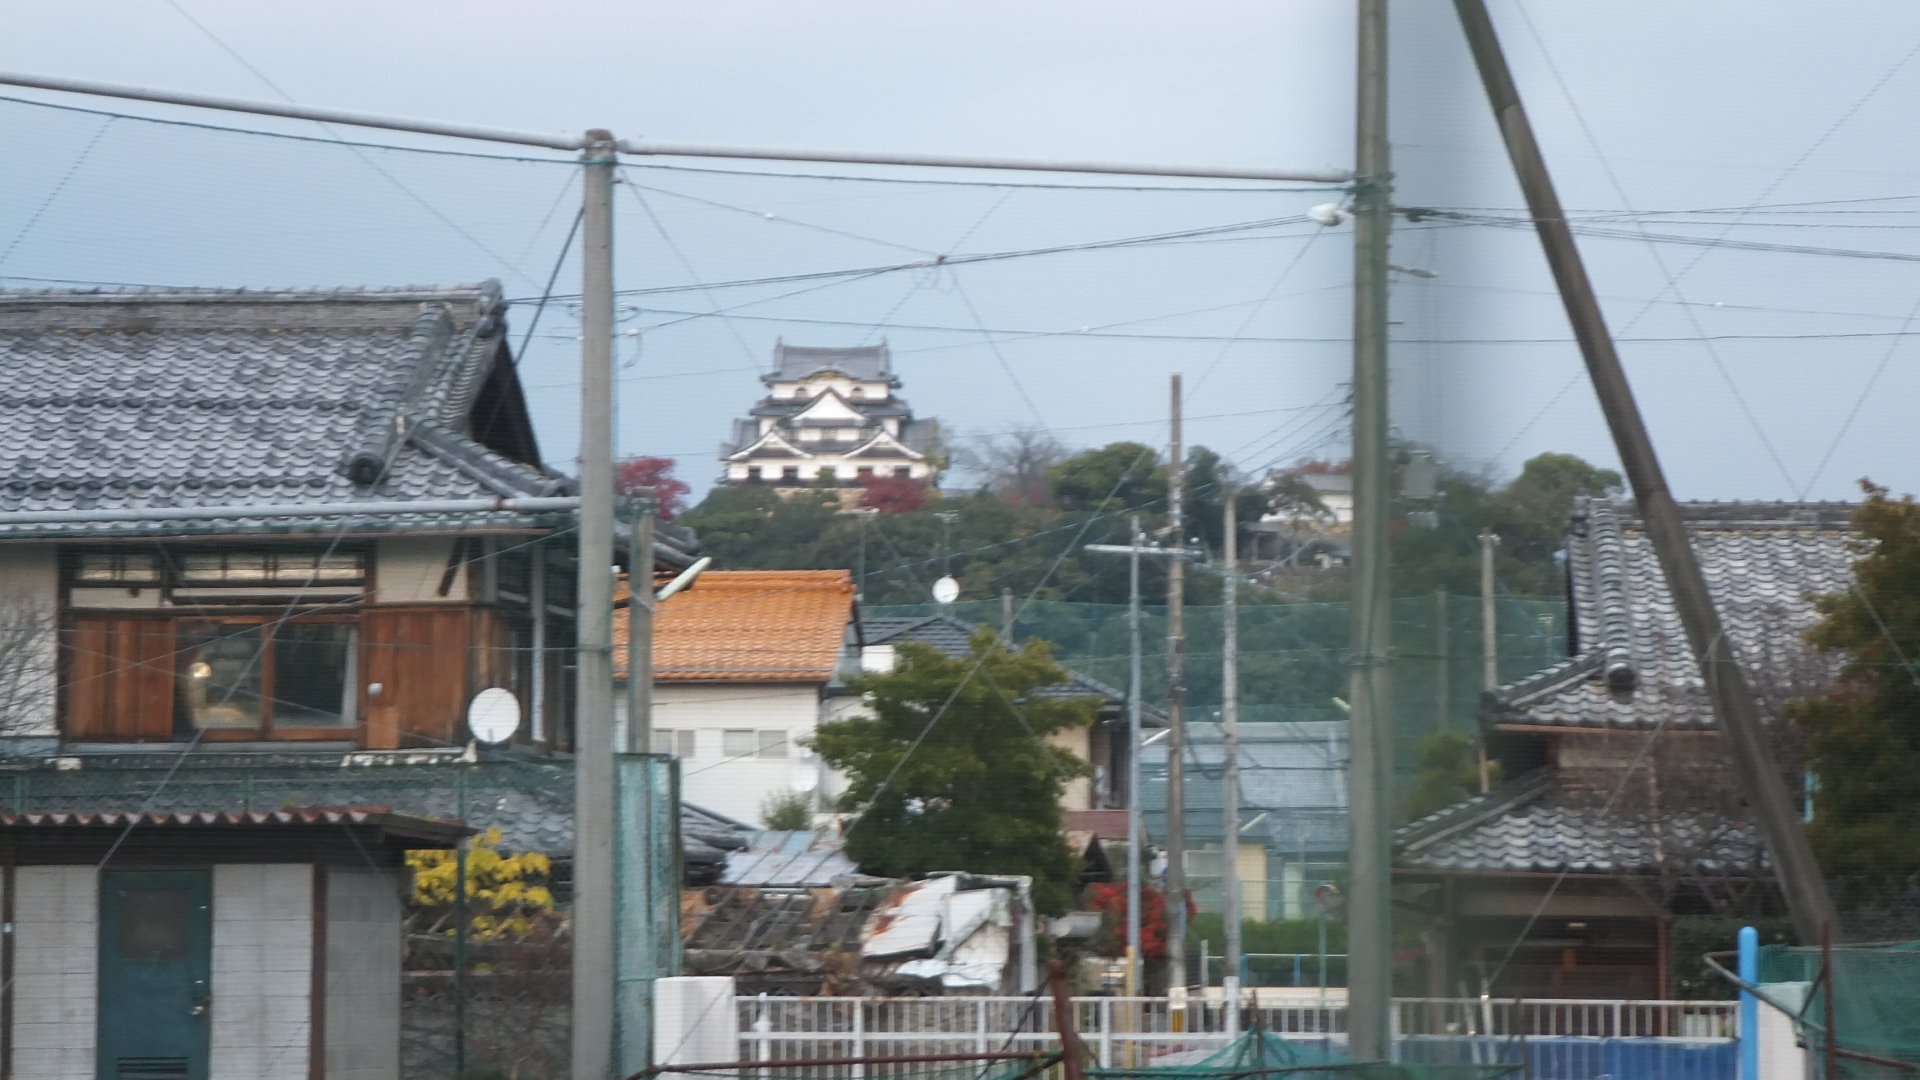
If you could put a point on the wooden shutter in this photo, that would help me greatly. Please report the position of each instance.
(119, 678)
(420, 657)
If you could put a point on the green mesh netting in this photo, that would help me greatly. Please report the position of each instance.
(1876, 1000)
(1025, 1068)
(1293, 657)
(1258, 1054)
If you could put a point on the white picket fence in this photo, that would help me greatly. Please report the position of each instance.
(1136, 1031)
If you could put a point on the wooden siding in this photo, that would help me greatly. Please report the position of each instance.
(119, 675)
(423, 660)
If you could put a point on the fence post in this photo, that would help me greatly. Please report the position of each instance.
(859, 1036)
(1106, 1033)
(1749, 1029)
(980, 1026)
(762, 1029)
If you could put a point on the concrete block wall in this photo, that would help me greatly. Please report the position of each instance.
(56, 912)
(363, 975)
(262, 972)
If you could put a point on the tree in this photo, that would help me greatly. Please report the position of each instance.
(652, 477)
(1122, 474)
(1529, 514)
(1863, 736)
(1207, 477)
(1449, 772)
(893, 494)
(790, 811)
(953, 768)
(1014, 464)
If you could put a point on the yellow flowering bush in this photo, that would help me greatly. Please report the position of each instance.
(506, 894)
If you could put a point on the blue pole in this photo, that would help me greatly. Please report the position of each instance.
(1749, 1005)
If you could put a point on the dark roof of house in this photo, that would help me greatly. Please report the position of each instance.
(951, 636)
(529, 799)
(1543, 823)
(873, 363)
(1293, 783)
(1630, 665)
(192, 398)
(402, 825)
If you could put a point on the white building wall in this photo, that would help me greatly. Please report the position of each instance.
(408, 569)
(738, 786)
(262, 971)
(363, 975)
(55, 989)
(29, 598)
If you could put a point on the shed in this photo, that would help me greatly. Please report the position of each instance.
(205, 946)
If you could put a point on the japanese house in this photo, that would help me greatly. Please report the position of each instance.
(746, 665)
(260, 519)
(1624, 816)
(206, 946)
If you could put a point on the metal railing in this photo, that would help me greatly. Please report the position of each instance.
(1135, 1031)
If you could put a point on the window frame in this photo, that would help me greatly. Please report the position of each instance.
(268, 731)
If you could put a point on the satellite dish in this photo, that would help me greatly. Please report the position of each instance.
(494, 715)
(804, 778)
(946, 590)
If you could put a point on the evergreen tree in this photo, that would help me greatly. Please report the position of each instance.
(1863, 737)
(953, 768)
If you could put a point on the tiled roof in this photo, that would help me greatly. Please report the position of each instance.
(952, 636)
(529, 799)
(1542, 823)
(1631, 666)
(155, 398)
(793, 362)
(381, 817)
(749, 626)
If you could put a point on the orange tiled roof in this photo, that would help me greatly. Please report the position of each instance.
(748, 626)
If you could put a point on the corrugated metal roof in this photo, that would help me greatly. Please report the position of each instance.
(798, 858)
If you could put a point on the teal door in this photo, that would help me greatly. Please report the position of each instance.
(156, 961)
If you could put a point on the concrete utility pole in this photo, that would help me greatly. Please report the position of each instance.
(1230, 771)
(593, 829)
(1177, 731)
(1442, 688)
(1135, 826)
(1370, 782)
(640, 635)
(1734, 707)
(1489, 639)
(1134, 823)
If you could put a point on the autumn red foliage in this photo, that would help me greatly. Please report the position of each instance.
(1153, 915)
(893, 494)
(652, 476)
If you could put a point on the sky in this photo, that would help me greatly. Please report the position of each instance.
(1693, 142)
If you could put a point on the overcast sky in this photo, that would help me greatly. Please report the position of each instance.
(1764, 373)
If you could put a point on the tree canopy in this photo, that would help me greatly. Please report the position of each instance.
(953, 768)
(1863, 737)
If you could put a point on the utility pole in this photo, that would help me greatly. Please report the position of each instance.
(1006, 617)
(1134, 822)
(640, 634)
(1135, 826)
(1442, 690)
(1735, 710)
(1177, 734)
(1489, 639)
(593, 811)
(1230, 772)
(1370, 782)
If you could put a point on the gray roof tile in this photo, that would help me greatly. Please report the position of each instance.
(150, 398)
(1632, 667)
